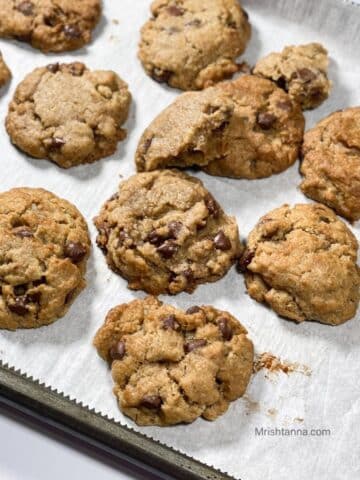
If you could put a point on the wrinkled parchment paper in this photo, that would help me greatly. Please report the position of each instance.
(62, 355)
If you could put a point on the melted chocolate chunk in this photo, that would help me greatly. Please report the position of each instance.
(174, 229)
(75, 251)
(53, 67)
(175, 11)
(18, 306)
(117, 351)
(72, 31)
(170, 323)
(161, 76)
(306, 75)
(155, 239)
(212, 206)
(26, 8)
(153, 402)
(55, 144)
(266, 120)
(245, 261)
(194, 345)
(192, 310)
(225, 329)
(168, 249)
(221, 241)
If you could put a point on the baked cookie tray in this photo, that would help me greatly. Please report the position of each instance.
(54, 374)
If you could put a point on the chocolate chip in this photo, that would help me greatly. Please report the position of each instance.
(53, 67)
(286, 106)
(282, 83)
(192, 310)
(193, 23)
(76, 69)
(221, 241)
(26, 8)
(245, 261)
(189, 275)
(117, 351)
(34, 297)
(168, 249)
(55, 144)
(70, 296)
(324, 219)
(266, 120)
(306, 75)
(170, 323)
(39, 281)
(152, 402)
(19, 306)
(174, 229)
(115, 196)
(20, 290)
(75, 251)
(72, 31)
(154, 238)
(194, 344)
(161, 76)
(23, 232)
(212, 206)
(225, 329)
(51, 20)
(175, 11)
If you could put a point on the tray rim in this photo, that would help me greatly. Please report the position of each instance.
(29, 396)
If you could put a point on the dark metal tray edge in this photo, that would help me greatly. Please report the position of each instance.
(54, 408)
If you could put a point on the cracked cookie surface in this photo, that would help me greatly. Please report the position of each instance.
(192, 44)
(331, 163)
(5, 73)
(68, 114)
(256, 133)
(301, 261)
(165, 233)
(171, 366)
(186, 133)
(301, 71)
(44, 246)
(50, 25)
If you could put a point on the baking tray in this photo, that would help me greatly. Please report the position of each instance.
(48, 405)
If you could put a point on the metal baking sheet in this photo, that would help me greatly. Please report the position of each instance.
(61, 356)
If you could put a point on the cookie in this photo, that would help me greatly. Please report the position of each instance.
(301, 261)
(192, 44)
(171, 366)
(44, 246)
(187, 133)
(5, 73)
(165, 233)
(331, 163)
(301, 71)
(69, 114)
(50, 25)
(260, 134)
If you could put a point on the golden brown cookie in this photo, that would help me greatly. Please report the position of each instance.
(245, 128)
(191, 44)
(50, 25)
(301, 71)
(165, 233)
(68, 114)
(331, 163)
(171, 366)
(301, 261)
(5, 73)
(44, 246)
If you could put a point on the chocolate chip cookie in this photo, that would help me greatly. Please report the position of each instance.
(44, 246)
(68, 114)
(5, 73)
(50, 25)
(301, 71)
(187, 133)
(331, 163)
(245, 128)
(165, 233)
(301, 261)
(171, 366)
(192, 44)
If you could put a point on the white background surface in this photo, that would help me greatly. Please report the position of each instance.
(26, 454)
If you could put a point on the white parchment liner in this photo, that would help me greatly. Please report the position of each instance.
(62, 355)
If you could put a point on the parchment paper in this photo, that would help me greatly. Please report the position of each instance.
(62, 355)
